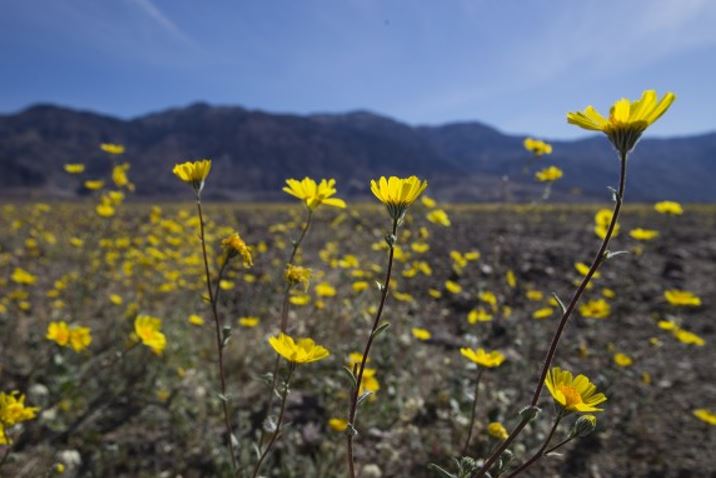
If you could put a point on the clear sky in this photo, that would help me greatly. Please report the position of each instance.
(518, 65)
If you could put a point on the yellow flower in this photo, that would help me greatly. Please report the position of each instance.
(543, 313)
(75, 168)
(428, 202)
(478, 315)
(297, 275)
(359, 286)
(511, 279)
(324, 289)
(119, 175)
(488, 297)
(300, 352)
(234, 244)
(688, 338)
(705, 415)
(116, 299)
(196, 320)
(602, 219)
(438, 216)
(112, 148)
(59, 333)
(627, 119)
(643, 234)
(482, 357)
(148, 330)
(622, 360)
(583, 269)
(537, 147)
(574, 394)
(80, 338)
(314, 194)
(300, 299)
(225, 284)
(193, 173)
(397, 193)
(535, 295)
(105, 210)
(672, 208)
(13, 409)
(248, 321)
(595, 309)
(682, 298)
(497, 430)
(421, 334)
(338, 424)
(21, 276)
(453, 287)
(549, 174)
(94, 184)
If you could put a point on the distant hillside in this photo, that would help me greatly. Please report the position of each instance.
(254, 151)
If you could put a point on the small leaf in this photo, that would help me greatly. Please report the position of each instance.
(380, 286)
(609, 254)
(559, 301)
(381, 328)
(614, 192)
(351, 376)
(364, 397)
(222, 397)
(440, 471)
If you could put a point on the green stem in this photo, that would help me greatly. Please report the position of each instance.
(541, 452)
(596, 262)
(219, 341)
(474, 411)
(276, 431)
(366, 351)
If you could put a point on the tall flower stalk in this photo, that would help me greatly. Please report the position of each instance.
(312, 194)
(627, 121)
(195, 173)
(296, 352)
(397, 194)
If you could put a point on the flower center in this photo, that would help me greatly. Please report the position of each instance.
(571, 395)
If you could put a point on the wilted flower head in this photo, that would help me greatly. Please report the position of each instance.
(234, 245)
(314, 194)
(574, 394)
(297, 275)
(627, 119)
(397, 193)
(537, 147)
(193, 173)
(299, 352)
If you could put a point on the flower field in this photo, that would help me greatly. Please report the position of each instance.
(393, 338)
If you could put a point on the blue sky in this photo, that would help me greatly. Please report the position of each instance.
(518, 65)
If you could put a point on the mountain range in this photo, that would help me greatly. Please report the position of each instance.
(253, 152)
